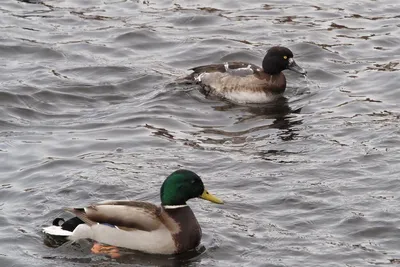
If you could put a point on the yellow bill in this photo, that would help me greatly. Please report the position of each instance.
(210, 197)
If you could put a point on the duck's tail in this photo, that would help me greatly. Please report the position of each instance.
(63, 228)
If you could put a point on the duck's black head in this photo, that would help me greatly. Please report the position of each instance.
(279, 58)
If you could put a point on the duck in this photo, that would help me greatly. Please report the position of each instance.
(243, 83)
(169, 228)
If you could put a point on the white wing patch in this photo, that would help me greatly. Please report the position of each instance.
(226, 65)
(239, 71)
(200, 76)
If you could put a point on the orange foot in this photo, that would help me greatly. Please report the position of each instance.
(107, 250)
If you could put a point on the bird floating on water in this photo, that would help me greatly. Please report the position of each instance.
(167, 229)
(243, 82)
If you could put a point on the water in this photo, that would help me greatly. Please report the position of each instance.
(90, 110)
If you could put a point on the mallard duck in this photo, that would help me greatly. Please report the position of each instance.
(243, 82)
(167, 229)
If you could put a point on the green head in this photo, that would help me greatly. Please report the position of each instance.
(182, 185)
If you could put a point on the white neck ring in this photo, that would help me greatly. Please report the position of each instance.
(169, 207)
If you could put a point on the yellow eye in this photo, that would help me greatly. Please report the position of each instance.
(284, 57)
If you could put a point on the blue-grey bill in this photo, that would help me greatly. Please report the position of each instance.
(296, 68)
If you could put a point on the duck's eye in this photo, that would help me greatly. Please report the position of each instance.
(284, 57)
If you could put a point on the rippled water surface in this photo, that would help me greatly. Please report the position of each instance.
(90, 109)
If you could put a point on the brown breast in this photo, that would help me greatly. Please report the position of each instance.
(184, 227)
(275, 84)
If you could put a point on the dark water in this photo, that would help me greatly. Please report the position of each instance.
(90, 110)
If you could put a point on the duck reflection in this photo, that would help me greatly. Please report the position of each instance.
(79, 252)
(279, 111)
(251, 122)
(189, 258)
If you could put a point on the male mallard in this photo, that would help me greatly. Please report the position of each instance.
(245, 82)
(167, 229)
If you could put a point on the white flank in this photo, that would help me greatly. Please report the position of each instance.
(243, 97)
(84, 231)
(158, 241)
(56, 231)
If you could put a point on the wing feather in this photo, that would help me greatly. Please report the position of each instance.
(233, 68)
(123, 214)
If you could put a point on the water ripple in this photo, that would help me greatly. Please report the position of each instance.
(92, 108)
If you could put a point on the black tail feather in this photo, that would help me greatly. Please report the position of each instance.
(68, 225)
(58, 221)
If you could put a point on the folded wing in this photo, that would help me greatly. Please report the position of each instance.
(127, 215)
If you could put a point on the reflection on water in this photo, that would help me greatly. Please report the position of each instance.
(184, 259)
(278, 111)
(70, 251)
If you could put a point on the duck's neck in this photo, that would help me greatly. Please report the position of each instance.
(276, 83)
